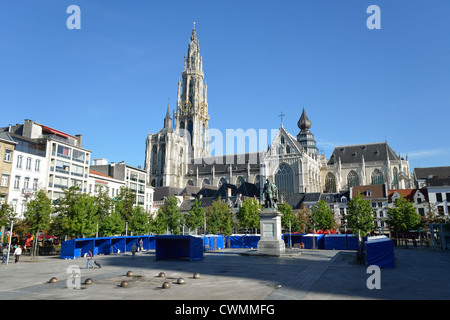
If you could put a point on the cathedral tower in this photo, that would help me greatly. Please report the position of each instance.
(191, 115)
(170, 150)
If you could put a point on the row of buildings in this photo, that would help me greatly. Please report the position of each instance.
(178, 162)
(35, 156)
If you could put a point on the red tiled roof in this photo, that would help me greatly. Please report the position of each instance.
(99, 174)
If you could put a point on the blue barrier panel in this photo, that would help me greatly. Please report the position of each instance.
(335, 241)
(352, 242)
(102, 246)
(318, 241)
(118, 244)
(172, 246)
(379, 251)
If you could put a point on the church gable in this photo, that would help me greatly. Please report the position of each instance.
(284, 143)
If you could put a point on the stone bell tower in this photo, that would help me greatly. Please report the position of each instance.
(191, 116)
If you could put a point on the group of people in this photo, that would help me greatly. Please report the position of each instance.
(17, 249)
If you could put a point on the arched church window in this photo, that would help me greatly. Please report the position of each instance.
(395, 178)
(190, 183)
(154, 159)
(239, 181)
(190, 129)
(206, 182)
(288, 149)
(258, 181)
(284, 180)
(377, 177)
(153, 183)
(352, 179)
(222, 181)
(330, 183)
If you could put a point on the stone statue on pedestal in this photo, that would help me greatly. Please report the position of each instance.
(270, 191)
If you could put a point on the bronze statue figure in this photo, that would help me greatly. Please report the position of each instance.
(270, 191)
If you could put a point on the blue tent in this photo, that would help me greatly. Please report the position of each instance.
(352, 242)
(335, 241)
(295, 238)
(68, 249)
(76, 248)
(318, 241)
(172, 246)
(379, 251)
(213, 241)
(118, 244)
(243, 240)
(102, 245)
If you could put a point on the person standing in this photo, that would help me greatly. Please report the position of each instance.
(133, 250)
(141, 245)
(90, 261)
(17, 253)
(5, 252)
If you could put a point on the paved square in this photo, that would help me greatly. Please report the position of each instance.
(229, 275)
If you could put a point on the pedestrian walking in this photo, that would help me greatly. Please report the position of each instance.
(5, 253)
(141, 245)
(17, 253)
(133, 250)
(90, 261)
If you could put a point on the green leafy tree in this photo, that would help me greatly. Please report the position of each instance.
(103, 202)
(289, 216)
(158, 224)
(219, 218)
(403, 217)
(38, 214)
(6, 216)
(112, 224)
(322, 217)
(81, 218)
(196, 216)
(169, 215)
(304, 218)
(360, 219)
(247, 215)
(124, 203)
(139, 221)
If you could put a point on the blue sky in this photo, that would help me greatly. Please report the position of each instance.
(111, 80)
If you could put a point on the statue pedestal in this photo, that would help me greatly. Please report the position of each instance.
(271, 242)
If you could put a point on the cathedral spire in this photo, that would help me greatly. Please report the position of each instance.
(304, 123)
(305, 137)
(168, 119)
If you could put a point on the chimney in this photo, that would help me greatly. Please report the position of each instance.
(79, 140)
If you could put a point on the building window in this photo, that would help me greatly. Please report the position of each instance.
(395, 178)
(28, 166)
(352, 179)
(284, 180)
(441, 210)
(377, 177)
(19, 162)
(17, 183)
(35, 184)
(62, 166)
(78, 155)
(37, 165)
(63, 151)
(26, 183)
(330, 183)
(447, 196)
(4, 182)
(7, 155)
(439, 197)
(422, 212)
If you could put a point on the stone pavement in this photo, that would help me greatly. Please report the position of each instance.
(228, 275)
